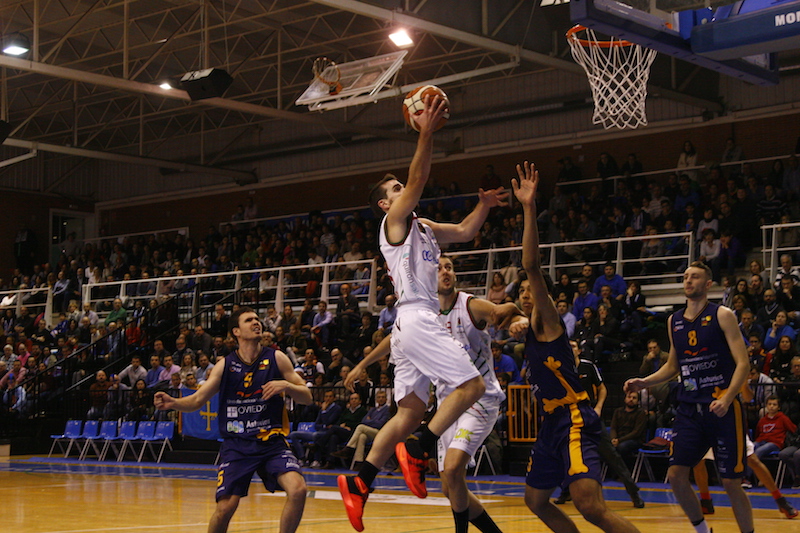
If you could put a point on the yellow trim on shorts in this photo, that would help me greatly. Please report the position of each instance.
(740, 436)
(576, 464)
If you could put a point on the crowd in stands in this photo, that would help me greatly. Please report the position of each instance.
(605, 313)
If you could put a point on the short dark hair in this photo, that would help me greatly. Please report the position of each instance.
(233, 321)
(378, 193)
(773, 397)
(702, 266)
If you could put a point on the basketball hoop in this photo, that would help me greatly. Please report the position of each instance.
(328, 73)
(618, 71)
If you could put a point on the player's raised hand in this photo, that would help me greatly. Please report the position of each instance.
(163, 401)
(525, 187)
(435, 109)
(493, 197)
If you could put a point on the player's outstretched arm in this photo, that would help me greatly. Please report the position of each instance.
(420, 169)
(466, 230)
(165, 402)
(374, 356)
(544, 319)
(667, 371)
(292, 384)
(503, 316)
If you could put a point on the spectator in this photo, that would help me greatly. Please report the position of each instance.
(786, 270)
(180, 349)
(765, 316)
(362, 336)
(613, 280)
(98, 396)
(388, 314)
(584, 299)
(311, 366)
(732, 152)
(330, 439)
(686, 194)
(628, 426)
(365, 432)
(756, 291)
(606, 335)
(17, 374)
(321, 324)
(347, 312)
(219, 322)
(153, 375)
(169, 369)
(273, 319)
(687, 159)
(780, 358)
(567, 317)
(758, 356)
(201, 341)
(780, 328)
(772, 429)
(204, 366)
(328, 415)
(141, 402)
(218, 350)
(187, 366)
(133, 372)
(118, 313)
(748, 327)
(771, 208)
(504, 363)
(789, 298)
(730, 256)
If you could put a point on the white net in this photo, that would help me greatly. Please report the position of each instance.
(618, 72)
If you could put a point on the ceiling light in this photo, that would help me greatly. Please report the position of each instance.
(401, 39)
(166, 86)
(16, 44)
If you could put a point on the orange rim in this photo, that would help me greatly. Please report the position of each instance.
(572, 35)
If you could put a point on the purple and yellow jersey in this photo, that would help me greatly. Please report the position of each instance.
(243, 414)
(704, 357)
(552, 374)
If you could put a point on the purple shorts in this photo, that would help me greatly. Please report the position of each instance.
(696, 429)
(240, 459)
(566, 448)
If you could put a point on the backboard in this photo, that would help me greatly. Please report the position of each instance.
(712, 39)
(363, 77)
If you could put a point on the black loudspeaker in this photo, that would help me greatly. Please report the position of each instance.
(5, 130)
(208, 83)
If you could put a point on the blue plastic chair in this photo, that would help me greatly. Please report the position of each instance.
(108, 427)
(144, 432)
(127, 433)
(90, 430)
(644, 456)
(72, 431)
(163, 434)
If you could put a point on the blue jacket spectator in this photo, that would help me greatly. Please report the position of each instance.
(613, 280)
(388, 314)
(505, 363)
(584, 299)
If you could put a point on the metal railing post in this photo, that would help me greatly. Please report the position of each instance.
(372, 298)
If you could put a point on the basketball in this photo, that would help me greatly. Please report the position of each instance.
(414, 104)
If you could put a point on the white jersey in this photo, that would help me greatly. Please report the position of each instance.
(461, 325)
(413, 264)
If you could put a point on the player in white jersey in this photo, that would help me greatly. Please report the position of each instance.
(423, 350)
(465, 318)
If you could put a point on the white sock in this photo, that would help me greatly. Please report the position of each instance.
(702, 527)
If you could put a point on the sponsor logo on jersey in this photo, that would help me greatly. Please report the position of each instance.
(706, 320)
(264, 364)
(690, 384)
(243, 394)
(235, 426)
(463, 434)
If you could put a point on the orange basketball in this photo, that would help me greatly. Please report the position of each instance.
(414, 104)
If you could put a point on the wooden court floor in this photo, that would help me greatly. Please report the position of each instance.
(46, 496)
